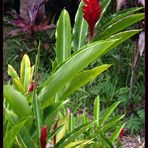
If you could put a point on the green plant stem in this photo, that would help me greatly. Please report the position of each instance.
(34, 92)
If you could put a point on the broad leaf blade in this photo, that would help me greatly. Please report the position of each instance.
(24, 134)
(70, 68)
(80, 29)
(81, 79)
(63, 37)
(12, 133)
(17, 101)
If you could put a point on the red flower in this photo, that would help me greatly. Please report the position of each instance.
(31, 87)
(55, 126)
(92, 12)
(121, 133)
(43, 137)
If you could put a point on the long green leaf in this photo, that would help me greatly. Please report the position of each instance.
(63, 37)
(24, 132)
(51, 135)
(80, 29)
(109, 112)
(118, 16)
(53, 108)
(69, 137)
(106, 142)
(111, 123)
(97, 110)
(104, 6)
(17, 101)
(38, 115)
(79, 143)
(71, 122)
(70, 68)
(65, 123)
(83, 78)
(119, 25)
(12, 133)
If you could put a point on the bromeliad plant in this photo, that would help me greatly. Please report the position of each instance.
(29, 112)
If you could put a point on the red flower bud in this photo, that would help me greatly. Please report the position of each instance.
(55, 127)
(121, 133)
(92, 12)
(31, 87)
(43, 137)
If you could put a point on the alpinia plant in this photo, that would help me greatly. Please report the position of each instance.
(27, 113)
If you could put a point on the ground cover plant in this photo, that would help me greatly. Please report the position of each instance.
(36, 115)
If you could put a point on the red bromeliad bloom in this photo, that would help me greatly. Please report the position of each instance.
(43, 137)
(92, 12)
(121, 133)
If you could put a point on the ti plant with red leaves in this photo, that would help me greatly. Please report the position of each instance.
(37, 21)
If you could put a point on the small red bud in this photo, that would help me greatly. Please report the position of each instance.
(55, 127)
(121, 133)
(43, 137)
(31, 87)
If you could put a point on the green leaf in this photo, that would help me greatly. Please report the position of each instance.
(17, 101)
(104, 6)
(80, 29)
(71, 68)
(63, 37)
(107, 143)
(111, 123)
(24, 132)
(25, 72)
(119, 25)
(119, 15)
(69, 137)
(71, 122)
(15, 78)
(12, 133)
(122, 36)
(53, 108)
(109, 112)
(50, 136)
(79, 143)
(97, 110)
(65, 123)
(116, 133)
(81, 79)
(38, 115)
